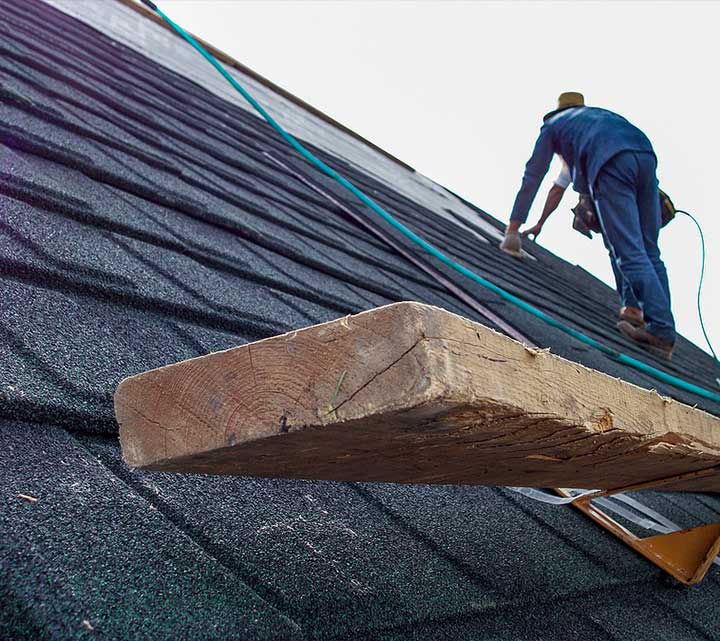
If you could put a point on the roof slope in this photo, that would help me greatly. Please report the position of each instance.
(143, 220)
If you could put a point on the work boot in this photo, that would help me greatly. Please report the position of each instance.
(641, 335)
(632, 315)
(512, 244)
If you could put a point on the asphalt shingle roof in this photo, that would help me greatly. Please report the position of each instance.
(141, 223)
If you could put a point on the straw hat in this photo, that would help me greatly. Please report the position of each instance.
(565, 101)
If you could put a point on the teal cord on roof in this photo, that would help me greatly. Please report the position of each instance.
(702, 276)
(619, 356)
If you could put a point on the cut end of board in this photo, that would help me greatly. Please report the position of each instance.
(408, 393)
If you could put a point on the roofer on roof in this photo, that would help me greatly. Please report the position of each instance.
(614, 162)
(585, 222)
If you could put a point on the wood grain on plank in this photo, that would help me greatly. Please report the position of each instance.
(409, 393)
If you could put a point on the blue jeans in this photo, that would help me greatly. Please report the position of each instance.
(628, 207)
(627, 297)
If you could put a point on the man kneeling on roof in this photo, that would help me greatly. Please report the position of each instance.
(612, 162)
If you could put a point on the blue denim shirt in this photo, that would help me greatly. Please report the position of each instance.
(586, 138)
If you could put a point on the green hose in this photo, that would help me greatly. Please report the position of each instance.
(619, 356)
(702, 276)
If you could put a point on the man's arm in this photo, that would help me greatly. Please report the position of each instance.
(535, 171)
(551, 204)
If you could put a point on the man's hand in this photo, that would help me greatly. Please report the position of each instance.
(513, 227)
(511, 242)
(551, 202)
(533, 231)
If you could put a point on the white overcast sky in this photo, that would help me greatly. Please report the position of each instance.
(457, 90)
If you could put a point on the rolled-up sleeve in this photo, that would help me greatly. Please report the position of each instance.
(564, 177)
(535, 171)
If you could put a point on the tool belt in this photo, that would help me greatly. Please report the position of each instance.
(586, 220)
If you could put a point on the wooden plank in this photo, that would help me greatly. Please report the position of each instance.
(409, 393)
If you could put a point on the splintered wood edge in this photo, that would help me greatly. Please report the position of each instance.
(397, 361)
